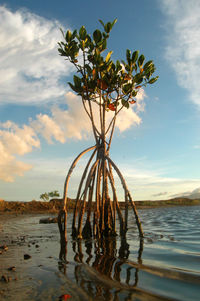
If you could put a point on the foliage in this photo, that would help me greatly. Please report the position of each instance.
(45, 196)
(100, 79)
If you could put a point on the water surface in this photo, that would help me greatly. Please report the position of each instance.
(163, 266)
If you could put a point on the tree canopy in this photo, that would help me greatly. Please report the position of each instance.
(99, 78)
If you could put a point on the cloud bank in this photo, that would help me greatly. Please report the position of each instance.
(30, 67)
(58, 126)
(183, 49)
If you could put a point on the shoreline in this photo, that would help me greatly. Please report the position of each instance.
(54, 205)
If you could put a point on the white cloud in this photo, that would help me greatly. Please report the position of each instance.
(48, 128)
(183, 50)
(15, 140)
(60, 125)
(30, 67)
(18, 140)
(73, 123)
(130, 117)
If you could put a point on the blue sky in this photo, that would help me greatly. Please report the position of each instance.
(42, 125)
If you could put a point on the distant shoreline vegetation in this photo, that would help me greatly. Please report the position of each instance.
(54, 205)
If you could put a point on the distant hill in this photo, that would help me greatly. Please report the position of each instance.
(194, 195)
(178, 201)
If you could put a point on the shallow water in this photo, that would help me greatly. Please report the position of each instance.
(164, 266)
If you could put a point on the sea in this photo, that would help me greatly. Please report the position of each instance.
(165, 265)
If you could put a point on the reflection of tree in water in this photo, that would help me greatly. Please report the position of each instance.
(103, 269)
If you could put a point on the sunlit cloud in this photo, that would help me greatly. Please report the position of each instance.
(15, 141)
(130, 117)
(18, 140)
(183, 49)
(58, 126)
(73, 122)
(10, 167)
(30, 67)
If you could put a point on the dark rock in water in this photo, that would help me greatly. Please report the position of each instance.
(5, 248)
(48, 220)
(6, 278)
(27, 256)
(12, 269)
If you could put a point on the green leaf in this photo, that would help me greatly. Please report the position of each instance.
(138, 78)
(133, 93)
(62, 52)
(105, 35)
(82, 45)
(141, 60)
(108, 27)
(73, 49)
(68, 36)
(108, 56)
(128, 55)
(82, 33)
(97, 36)
(62, 32)
(153, 80)
(135, 56)
(127, 67)
(74, 34)
(113, 23)
(110, 66)
(101, 23)
(104, 45)
(127, 88)
(72, 87)
(147, 65)
(125, 103)
(77, 81)
(118, 66)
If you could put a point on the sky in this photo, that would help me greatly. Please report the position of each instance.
(43, 126)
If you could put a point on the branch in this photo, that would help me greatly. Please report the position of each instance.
(92, 170)
(79, 189)
(128, 193)
(70, 172)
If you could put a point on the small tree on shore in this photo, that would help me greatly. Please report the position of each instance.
(45, 196)
(103, 85)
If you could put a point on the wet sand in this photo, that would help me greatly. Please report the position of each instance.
(20, 260)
